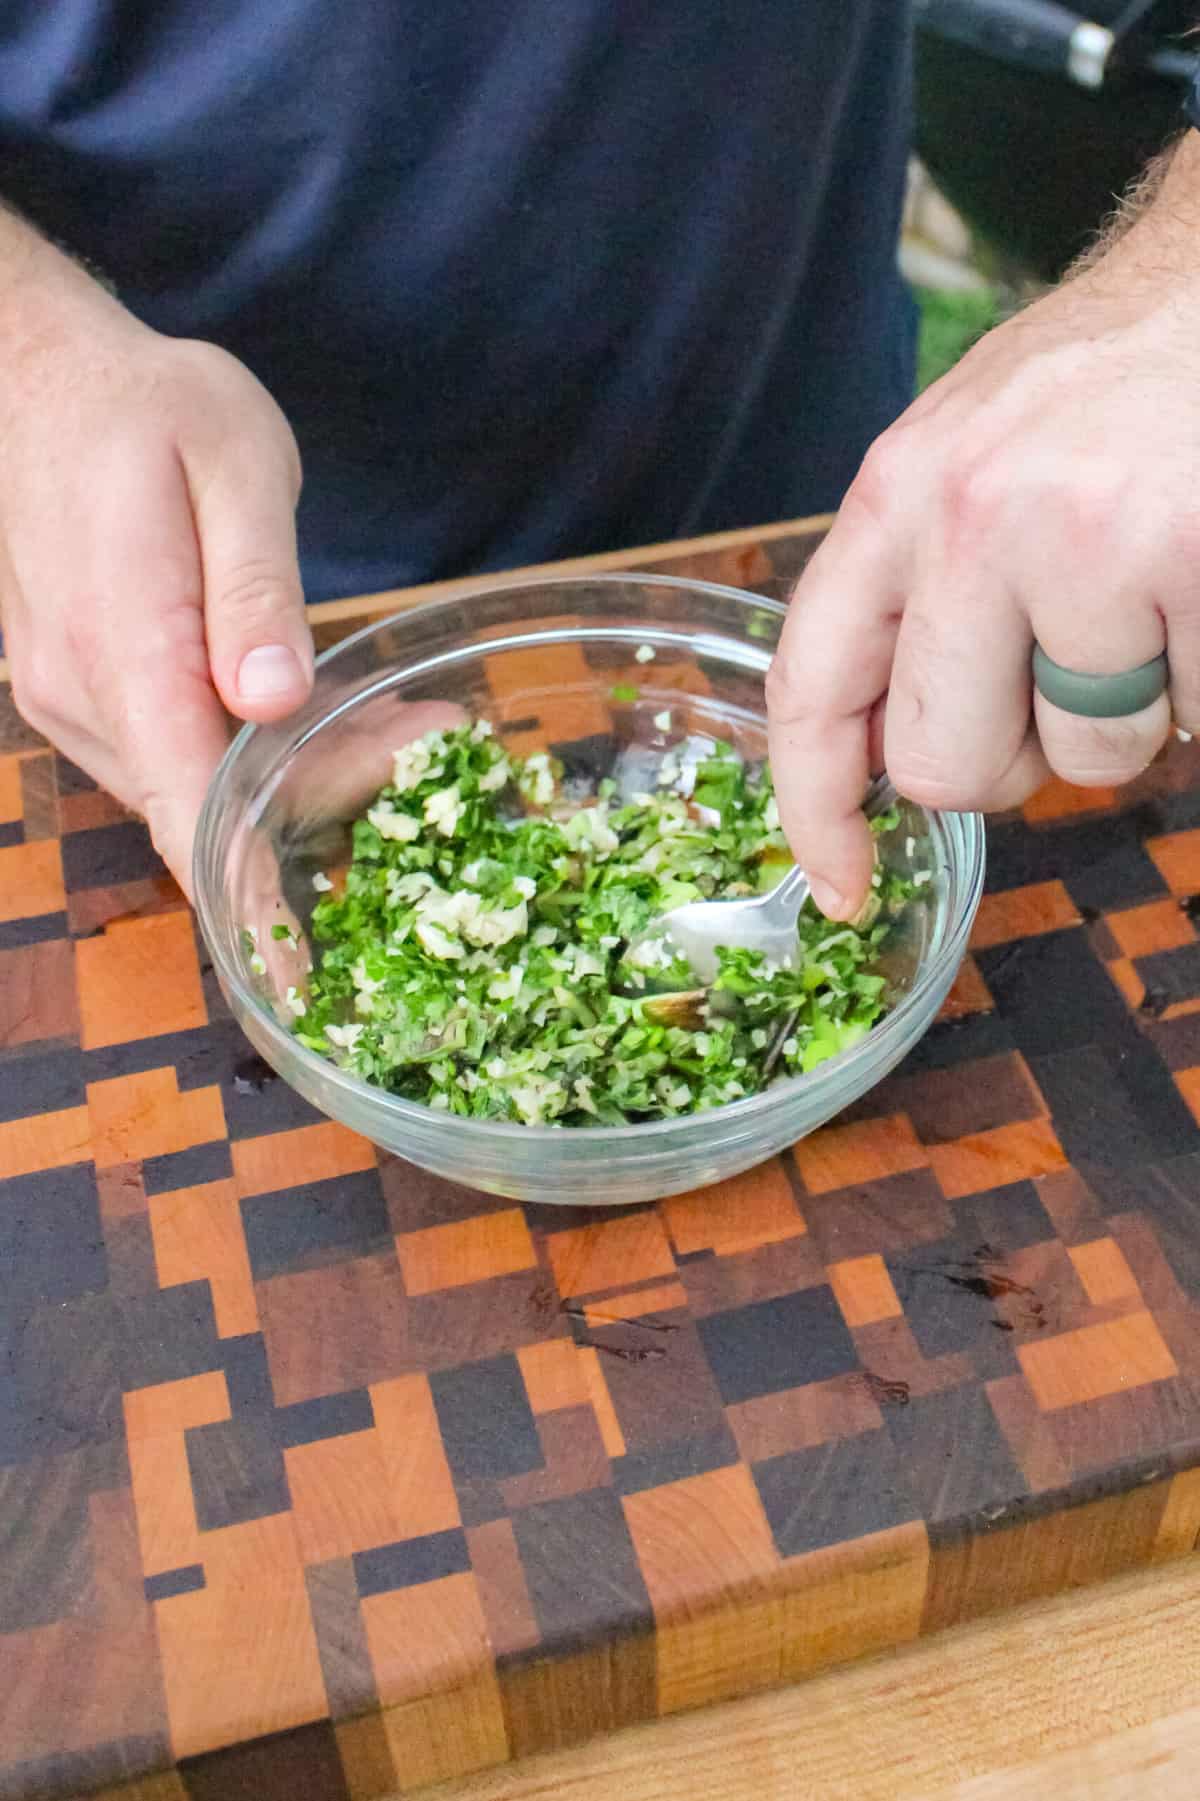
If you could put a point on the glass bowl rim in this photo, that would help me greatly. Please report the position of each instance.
(821, 1081)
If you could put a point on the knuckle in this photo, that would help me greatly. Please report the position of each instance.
(882, 474)
(151, 805)
(155, 809)
(254, 592)
(1089, 502)
(974, 493)
(244, 404)
(1182, 612)
(210, 362)
(37, 689)
(794, 701)
(784, 687)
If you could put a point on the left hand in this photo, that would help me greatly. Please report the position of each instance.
(1048, 488)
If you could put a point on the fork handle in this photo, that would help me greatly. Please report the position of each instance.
(785, 900)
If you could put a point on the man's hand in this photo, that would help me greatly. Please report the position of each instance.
(1047, 489)
(148, 575)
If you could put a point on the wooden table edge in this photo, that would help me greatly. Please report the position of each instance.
(399, 600)
(1090, 1695)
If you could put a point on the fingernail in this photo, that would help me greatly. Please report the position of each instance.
(268, 672)
(827, 898)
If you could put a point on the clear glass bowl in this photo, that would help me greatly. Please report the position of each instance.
(552, 664)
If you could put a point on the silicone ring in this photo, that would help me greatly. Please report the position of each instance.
(1099, 696)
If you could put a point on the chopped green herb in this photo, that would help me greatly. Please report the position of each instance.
(479, 961)
(624, 693)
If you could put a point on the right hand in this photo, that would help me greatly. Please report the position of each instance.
(148, 575)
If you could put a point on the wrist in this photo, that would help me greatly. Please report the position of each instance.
(48, 301)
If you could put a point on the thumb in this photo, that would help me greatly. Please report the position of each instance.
(259, 646)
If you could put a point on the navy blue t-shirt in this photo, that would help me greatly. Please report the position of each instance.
(529, 279)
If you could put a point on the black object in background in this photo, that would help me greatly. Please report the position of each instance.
(1008, 125)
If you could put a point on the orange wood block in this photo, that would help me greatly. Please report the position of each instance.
(701, 1542)
(198, 1236)
(145, 1115)
(176, 1406)
(37, 992)
(306, 1154)
(1101, 1267)
(853, 1599)
(612, 1253)
(720, 1656)
(864, 1290)
(426, 1639)
(520, 672)
(969, 993)
(366, 1756)
(1178, 860)
(1186, 1080)
(1179, 1529)
(644, 1303)
(342, 1501)
(234, 1671)
(1160, 925)
(561, 716)
(433, 1668)
(11, 805)
(841, 1156)
(741, 1214)
(611, 1435)
(553, 683)
(162, 1491)
(1027, 1148)
(450, 1735)
(1094, 1361)
(27, 1145)
(156, 1419)
(1022, 913)
(139, 980)
(554, 1375)
(1181, 1009)
(31, 879)
(469, 1250)
(420, 1485)
(1062, 800)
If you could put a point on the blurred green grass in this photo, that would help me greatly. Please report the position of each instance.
(950, 323)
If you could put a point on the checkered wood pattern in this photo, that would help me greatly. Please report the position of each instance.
(320, 1476)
